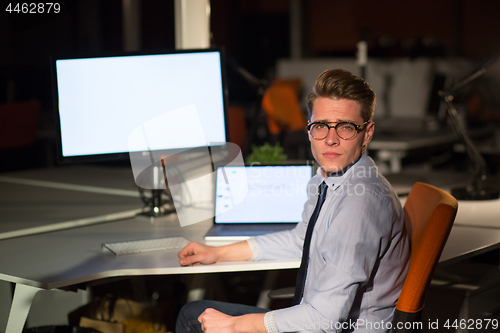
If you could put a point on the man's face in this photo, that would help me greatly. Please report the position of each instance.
(333, 153)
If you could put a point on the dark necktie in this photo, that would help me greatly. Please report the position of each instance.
(301, 275)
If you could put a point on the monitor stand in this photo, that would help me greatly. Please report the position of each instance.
(158, 205)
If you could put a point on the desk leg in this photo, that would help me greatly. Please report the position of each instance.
(21, 303)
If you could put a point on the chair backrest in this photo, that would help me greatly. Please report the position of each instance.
(281, 105)
(429, 213)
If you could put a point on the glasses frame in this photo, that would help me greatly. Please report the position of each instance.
(356, 127)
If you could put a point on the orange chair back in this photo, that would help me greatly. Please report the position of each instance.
(430, 213)
(281, 105)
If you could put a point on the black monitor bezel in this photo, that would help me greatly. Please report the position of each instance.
(123, 156)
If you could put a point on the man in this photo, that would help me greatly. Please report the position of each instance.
(356, 251)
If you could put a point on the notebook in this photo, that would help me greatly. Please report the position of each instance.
(255, 200)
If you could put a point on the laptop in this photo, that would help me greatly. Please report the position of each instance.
(255, 200)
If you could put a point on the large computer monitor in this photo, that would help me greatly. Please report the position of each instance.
(101, 101)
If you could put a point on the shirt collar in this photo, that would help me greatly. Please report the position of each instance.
(339, 177)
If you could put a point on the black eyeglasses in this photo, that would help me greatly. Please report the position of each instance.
(345, 130)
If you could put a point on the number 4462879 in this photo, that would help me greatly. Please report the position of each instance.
(33, 8)
(471, 324)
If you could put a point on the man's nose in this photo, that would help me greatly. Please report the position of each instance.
(332, 139)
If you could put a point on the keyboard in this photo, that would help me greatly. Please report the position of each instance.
(146, 245)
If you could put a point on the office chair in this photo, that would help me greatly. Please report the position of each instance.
(429, 213)
(285, 119)
(281, 105)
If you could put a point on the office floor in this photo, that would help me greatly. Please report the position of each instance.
(170, 293)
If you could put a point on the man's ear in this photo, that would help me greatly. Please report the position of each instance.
(370, 127)
(309, 132)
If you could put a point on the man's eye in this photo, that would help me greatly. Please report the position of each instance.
(320, 126)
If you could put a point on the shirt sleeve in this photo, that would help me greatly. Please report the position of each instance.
(269, 322)
(253, 247)
(358, 233)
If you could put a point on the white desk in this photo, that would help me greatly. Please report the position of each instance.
(70, 257)
(468, 241)
(53, 222)
(35, 201)
(485, 214)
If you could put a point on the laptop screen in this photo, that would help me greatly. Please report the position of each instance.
(261, 194)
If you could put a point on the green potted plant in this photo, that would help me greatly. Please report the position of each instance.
(266, 154)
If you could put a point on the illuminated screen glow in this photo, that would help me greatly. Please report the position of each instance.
(102, 100)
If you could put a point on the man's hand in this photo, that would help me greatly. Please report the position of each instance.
(213, 321)
(196, 253)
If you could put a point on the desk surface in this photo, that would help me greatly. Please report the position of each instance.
(61, 197)
(485, 214)
(67, 257)
(468, 241)
(85, 175)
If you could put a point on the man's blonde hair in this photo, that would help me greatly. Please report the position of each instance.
(341, 84)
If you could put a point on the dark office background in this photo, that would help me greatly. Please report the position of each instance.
(255, 33)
